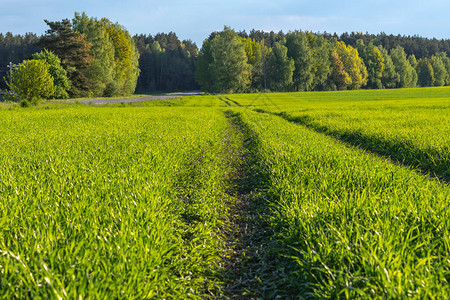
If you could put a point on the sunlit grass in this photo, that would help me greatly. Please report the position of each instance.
(111, 202)
(133, 200)
(353, 224)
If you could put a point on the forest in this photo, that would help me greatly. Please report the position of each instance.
(96, 57)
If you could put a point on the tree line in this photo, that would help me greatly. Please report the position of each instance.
(93, 57)
(83, 57)
(166, 63)
(232, 61)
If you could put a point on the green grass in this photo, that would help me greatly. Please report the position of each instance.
(111, 202)
(313, 195)
(353, 224)
(410, 126)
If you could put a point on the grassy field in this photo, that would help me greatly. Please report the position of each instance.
(313, 195)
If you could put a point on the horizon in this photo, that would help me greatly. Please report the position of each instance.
(196, 20)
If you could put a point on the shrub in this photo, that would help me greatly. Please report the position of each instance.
(58, 73)
(32, 81)
(111, 89)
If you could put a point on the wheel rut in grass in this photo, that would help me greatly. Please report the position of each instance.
(251, 269)
(235, 102)
(224, 101)
(399, 152)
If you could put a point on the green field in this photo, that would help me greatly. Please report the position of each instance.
(296, 195)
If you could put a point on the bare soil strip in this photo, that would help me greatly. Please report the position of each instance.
(250, 267)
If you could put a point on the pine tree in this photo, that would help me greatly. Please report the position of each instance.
(73, 50)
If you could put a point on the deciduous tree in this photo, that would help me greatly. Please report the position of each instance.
(339, 75)
(32, 81)
(256, 58)
(280, 68)
(126, 57)
(389, 77)
(203, 72)
(403, 68)
(446, 61)
(57, 72)
(374, 62)
(439, 69)
(229, 69)
(425, 72)
(353, 65)
(300, 51)
(101, 71)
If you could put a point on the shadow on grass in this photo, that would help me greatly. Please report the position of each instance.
(258, 265)
(429, 162)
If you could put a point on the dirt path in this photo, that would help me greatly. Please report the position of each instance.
(121, 100)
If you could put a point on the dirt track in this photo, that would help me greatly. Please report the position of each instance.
(121, 100)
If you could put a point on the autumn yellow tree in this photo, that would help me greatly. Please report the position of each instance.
(339, 76)
(352, 65)
(126, 57)
(257, 55)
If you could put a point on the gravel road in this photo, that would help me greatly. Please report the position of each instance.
(120, 100)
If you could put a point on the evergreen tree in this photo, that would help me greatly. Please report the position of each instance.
(14, 49)
(166, 69)
(73, 50)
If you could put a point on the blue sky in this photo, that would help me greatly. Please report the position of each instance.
(195, 19)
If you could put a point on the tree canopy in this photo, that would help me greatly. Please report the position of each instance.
(32, 81)
(100, 58)
(228, 63)
(57, 72)
(73, 49)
